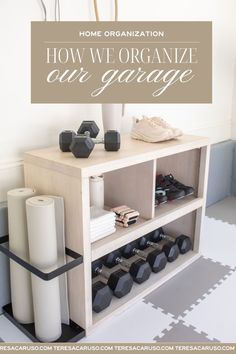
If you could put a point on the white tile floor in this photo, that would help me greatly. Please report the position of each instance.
(207, 313)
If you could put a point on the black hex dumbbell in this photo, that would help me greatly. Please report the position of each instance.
(138, 269)
(88, 126)
(83, 145)
(101, 296)
(65, 139)
(170, 249)
(66, 136)
(182, 241)
(119, 282)
(156, 259)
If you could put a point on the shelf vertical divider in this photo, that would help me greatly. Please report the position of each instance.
(154, 186)
(202, 192)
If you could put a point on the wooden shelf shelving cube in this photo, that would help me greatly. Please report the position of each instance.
(129, 176)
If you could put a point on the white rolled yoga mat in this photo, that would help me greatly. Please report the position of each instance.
(111, 116)
(21, 291)
(61, 256)
(96, 185)
(42, 235)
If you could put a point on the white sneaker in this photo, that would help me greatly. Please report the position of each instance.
(160, 121)
(147, 130)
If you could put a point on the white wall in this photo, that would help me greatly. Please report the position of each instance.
(25, 126)
(213, 120)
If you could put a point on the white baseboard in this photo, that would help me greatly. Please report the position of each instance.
(10, 164)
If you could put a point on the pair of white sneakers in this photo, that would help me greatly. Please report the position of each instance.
(153, 130)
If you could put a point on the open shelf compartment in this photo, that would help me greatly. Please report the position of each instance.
(185, 224)
(184, 166)
(139, 291)
(132, 186)
(164, 214)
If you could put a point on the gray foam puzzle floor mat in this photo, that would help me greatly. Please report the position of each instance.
(186, 288)
(179, 332)
(224, 210)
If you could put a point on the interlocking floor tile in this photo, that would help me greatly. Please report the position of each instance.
(10, 333)
(181, 333)
(218, 241)
(223, 210)
(216, 314)
(186, 288)
(140, 323)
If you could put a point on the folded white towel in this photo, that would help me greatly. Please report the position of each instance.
(97, 214)
(102, 229)
(102, 235)
(102, 221)
(102, 224)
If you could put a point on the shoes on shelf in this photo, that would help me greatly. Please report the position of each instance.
(160, 121)
(187, 189)
(160, 196)
(147, 130)
(168, 188)
(172, 192)
(153, 130)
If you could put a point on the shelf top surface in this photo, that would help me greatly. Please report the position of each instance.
(131, 152)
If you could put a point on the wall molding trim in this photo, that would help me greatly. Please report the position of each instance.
(5, 165)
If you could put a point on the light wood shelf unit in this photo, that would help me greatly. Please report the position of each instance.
(129, 179)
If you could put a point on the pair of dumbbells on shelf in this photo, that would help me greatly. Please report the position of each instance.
(171, 246)
(82, 143)
(120, 282)
(158, 248)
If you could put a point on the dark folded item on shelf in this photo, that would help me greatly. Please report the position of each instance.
(125, 216)
(125, 224)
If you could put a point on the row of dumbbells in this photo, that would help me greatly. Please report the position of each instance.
(138, 260)
(82, 143)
